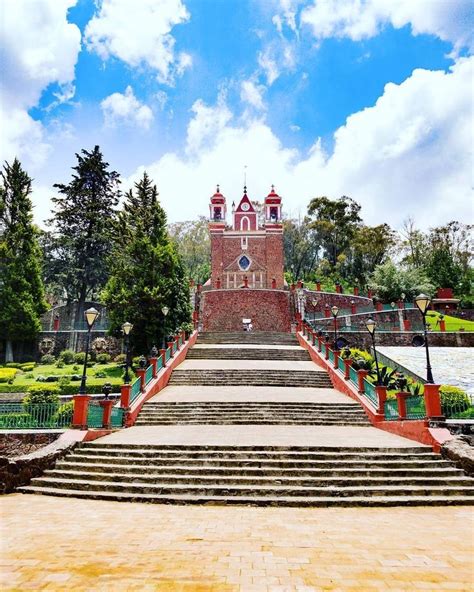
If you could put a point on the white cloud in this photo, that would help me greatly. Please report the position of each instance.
(269, 66)
(38, 47)
(450, 20)
(252, 94)
(139, 33)
(126, 108)
(409, 154)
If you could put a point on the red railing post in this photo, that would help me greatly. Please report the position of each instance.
(326, 356)
(382, 397)
(170, 347)
(320, 343)
(125, 391)
(327, 312)
(218, 283)
(336, 359)
(313, 337)
(318, 286)
(370, 294)
(406, 324)
(81, 407)
(154, 362)
(402, 404)
(274, 283)
(347, 366)
(361, 374)
(106, 405)
(140, 372)
(378, 306)
(356, 291)
(442, 325)
(353, 307)
(163, 357)
(432, 401)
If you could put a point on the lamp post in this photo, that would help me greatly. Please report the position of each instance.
(423, 302)
(403, 296)
(335, 312)
(126, 328)
(370, 326)
(90, 315)
(165, 310)
(301, 302)
(394, 321)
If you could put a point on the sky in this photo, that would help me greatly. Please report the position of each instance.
(367, 98)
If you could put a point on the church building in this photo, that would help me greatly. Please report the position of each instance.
(249, 253)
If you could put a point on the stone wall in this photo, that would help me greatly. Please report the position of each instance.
(362, 339)
(223, 310)
(332, 299)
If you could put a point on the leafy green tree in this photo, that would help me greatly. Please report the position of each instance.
(442, 270)
(147, 272)
(370, 246)
(301, 248)
(389, 282)
(83, 224)
(192, 241)
(335, 222)
(21, 287)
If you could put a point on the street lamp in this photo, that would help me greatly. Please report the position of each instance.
(90, 315)
(403, 296)
(335, 312)
(394, 322)
(370, 326)
(423, 302)
(126, 328)
(165, 310)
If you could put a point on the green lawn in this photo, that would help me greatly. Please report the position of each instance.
(113, 375)
(452, 323)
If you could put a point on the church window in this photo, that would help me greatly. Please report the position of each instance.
(244, 263)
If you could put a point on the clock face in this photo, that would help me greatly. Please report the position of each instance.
(245, 207)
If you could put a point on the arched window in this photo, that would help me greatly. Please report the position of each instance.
(244, 223)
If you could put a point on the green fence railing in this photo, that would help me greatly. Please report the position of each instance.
(415, 406)
(354, 376)
(341, 365)
(135, 390)
(159, 363)
(16, 416)
(323, 348)
(149, 374)
(331, 355)
(370, 393)
(117, 417)
(95, 414)
(391, 410)
(168, 353)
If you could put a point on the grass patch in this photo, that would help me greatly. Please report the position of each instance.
(452, 323)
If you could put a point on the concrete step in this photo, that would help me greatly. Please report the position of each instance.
(248, 354)
(228, 377)
(294, 501)
(259, 338)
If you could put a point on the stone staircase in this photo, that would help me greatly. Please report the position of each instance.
(228, 353)
(280, 476)
(252, 337)
(262, 413)
(251, 377)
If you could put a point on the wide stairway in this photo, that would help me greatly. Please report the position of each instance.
(250, 419)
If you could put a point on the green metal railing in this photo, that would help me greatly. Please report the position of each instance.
(370, 392)
(391, 410)
(460, 410)
(415, 406)
(168, 354)
(323, 348)
(95, 414)
(341, 365)
(331, 355)
(149, 374)
(16, 416)
(117, 417)
(159, 364)
(136, 389)
(354, 376)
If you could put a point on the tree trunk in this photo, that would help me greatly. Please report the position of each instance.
(8, 351)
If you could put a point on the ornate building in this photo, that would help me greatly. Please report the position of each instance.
(249, 253)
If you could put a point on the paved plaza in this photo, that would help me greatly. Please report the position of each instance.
(83, 545)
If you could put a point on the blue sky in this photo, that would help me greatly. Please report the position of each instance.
(366, 98)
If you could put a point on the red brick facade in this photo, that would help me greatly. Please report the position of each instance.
(223, 310)
(246, 249)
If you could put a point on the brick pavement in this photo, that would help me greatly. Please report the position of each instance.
(85, 545)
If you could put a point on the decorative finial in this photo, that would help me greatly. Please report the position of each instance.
(245, 189)
(273, 188)
(217, 190)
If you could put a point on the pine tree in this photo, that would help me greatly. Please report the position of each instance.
(147, 273)
(83, 225)
(21, 288)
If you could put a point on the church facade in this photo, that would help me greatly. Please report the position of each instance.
(249, 252)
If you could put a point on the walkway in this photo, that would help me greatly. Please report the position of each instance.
(83, 545)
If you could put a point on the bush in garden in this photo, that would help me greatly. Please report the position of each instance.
(8, 374)
(120, 359)
(67, 356)
(63, 415)
(42, 401)
(47, 359)
(27, 367)
(100, 374)
(15, 420)
(454, 398)
(103, 358)
(80, 358)
(60, 364)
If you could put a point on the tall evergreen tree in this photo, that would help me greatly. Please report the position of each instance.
(147, 273)
(21, 288)
(83, 224)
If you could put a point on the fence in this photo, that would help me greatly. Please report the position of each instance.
(457, 410)
(415, 406)
(15, 416)
(391, 410)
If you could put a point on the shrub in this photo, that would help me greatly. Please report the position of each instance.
(388, 376)
(12, 388)
(80, 358)
(30, 375)
(120, 359)
(13, 365)
(41, 393)
(63, 415)
(67, 356)
(48, 359)
(8, 374)
(15, 420)
(27, 367)
(100, 374)
(60, 364)
(454, 398)
(92, 389)
(103, 358)
(52, 378)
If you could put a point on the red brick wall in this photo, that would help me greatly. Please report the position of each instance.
(223, 310)
(274, 253)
